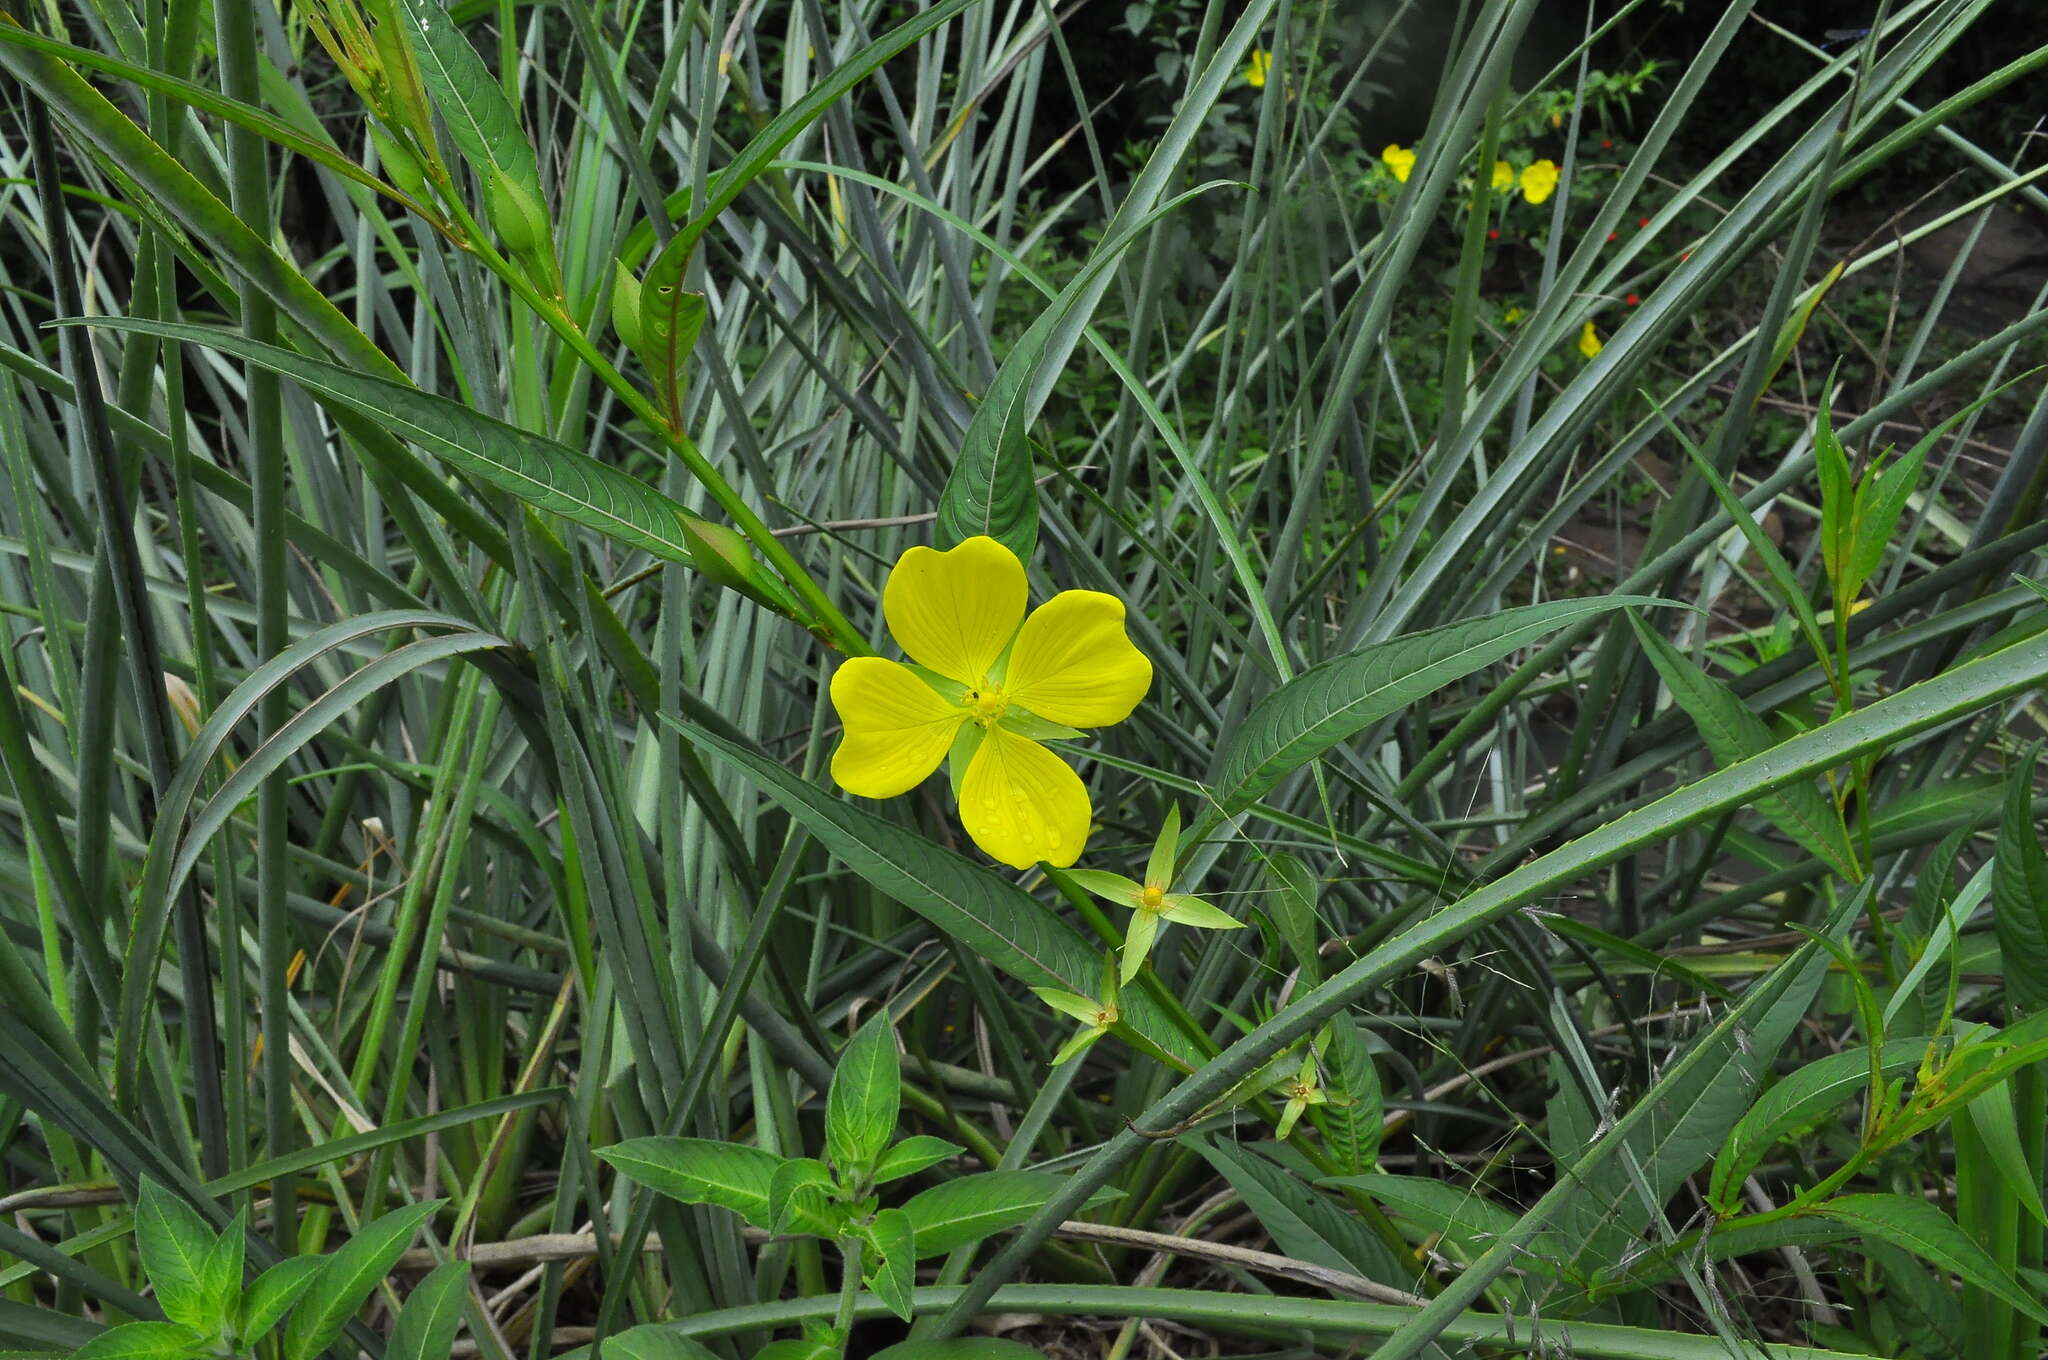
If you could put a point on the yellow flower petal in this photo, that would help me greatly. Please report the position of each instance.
(897, 727)
(1022, 803)
(955, 611)
(1589, 341)
(1539, 180)
(1255, 73)
(1072, 663)
(1399, 159)
(1503, 175)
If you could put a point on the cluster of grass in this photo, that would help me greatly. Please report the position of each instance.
(449, 450)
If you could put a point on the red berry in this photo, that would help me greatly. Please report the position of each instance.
(1614, 236)
(1644, 222)
(1631, 299)
(1493, 233)
(1607, 144)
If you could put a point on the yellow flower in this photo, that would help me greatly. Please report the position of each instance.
(1255, 74)
(1399, 159)
(1503, 176)
(1589, 341)
(1539, 180)
(1511, 316)
(987, 685)
(1152, 906)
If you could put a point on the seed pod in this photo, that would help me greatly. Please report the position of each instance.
(725, 558)
(400, 166)
(517, 215)
(626, 305)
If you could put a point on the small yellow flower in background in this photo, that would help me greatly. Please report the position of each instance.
(1589, 341)
(1399, 159)
(1304, 1089)
(1097, 1015)
(1152, 906)
(1255, 73)
(987, 685)
(1539, 181)
(1511, 316)
(1503, 176)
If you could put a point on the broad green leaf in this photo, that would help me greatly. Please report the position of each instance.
(1292, 905)
(351, 1273)
(802, 1348)
(1931, 1235)
(1705, 1091)
(539, 471)
(701, 1171)
(669, 320)
(912, 1155)
(983, 911)
(1463, 1217)
(1733, 734)
(1739, 1237)
(144, 1341)
(173, 1242)
(968, 1208)
(893, 1270)
(2019, 894)
(220, 1270)
(1303, 1223)
(1801, 1097)
(867, 1088)
(1354, 1117)
(1879, 503)
(273, 1293)
(468, 97)
(1341, 697)
(804, 1178)
(425, 1327)
(654, 1341)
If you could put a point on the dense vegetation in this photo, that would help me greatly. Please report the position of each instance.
(1509, 820)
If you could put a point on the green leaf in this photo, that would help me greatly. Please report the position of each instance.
(1931, 1235)
(892, 1270)
(1879, 503)
(656, 1341)
(1344, 695)
(349, 1276)
(968, 1208)
(1303, 1224)
(797, 1190)
(1354, 1117)
(970, 905)
(2019, 894)
(1735, 734)
(425, 1326)
(1292, 905)
(143, 1341)
(912, 1155)
(220, 1271)
(669, 321)
(1796, 1102)
(1463, 1217)
(867, 1088)
(273, 1293)
(545, 474)
(173, 1242)
(701, 1171)
(1165, 848)
(468, 97)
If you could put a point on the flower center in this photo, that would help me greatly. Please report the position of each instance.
(986, 704)
(1153, 897)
